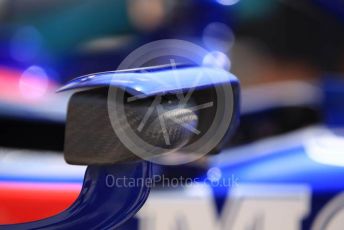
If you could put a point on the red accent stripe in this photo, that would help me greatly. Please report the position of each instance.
(24, 202)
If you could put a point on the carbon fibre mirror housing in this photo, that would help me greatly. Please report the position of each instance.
(150, 113)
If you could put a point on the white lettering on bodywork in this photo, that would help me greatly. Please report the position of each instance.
(256, 207)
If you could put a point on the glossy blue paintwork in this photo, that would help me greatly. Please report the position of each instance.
(150, 81)
(287, 166)
(102, 204)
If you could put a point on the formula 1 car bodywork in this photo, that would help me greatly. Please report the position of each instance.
(291, 181)
(282, 186)
(109, 206)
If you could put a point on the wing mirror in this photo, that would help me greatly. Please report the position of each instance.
(119, 122)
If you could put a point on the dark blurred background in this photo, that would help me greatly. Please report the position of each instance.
(281, 50)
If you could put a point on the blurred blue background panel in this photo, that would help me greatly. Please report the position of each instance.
(334, 98)
(335, 7)
(290, 166)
